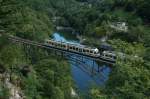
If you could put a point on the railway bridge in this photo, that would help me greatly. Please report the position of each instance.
(77, 57)
(42, 45)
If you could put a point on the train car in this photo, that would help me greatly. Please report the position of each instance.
(109, 55)
(57, 44)
(84, 50)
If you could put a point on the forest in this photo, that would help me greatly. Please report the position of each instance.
(38, 74)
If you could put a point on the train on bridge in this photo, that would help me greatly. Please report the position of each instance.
(94, 53)
(82, 49)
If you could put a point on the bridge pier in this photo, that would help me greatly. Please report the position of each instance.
(93, 63)
(55, 52)
(83, 59)
(98, 69)
(62, 54)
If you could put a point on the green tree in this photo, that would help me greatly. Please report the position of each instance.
(8, 9)
(31, 84)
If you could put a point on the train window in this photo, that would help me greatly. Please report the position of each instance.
(74, 48)
(87, 51)
(115, 57)
(84, 50)
(91, 51)
(106, 55)
(64, 46)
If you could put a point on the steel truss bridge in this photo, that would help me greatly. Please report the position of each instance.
(75, 57)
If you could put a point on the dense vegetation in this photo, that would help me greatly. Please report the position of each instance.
(38, 73)
(129, 78)
(35, 71)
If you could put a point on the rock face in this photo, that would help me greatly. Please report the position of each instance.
(15, 92)
(73, 93)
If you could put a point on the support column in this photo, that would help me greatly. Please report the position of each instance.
(93, 67)
(82, 59)
(55, 52)
(61, 54)
(98, 68)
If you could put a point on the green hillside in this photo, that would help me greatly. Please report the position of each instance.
(41, 75)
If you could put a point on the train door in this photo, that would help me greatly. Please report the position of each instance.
(92, 52)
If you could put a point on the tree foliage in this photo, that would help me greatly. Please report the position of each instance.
(31, 19)
(49, 79)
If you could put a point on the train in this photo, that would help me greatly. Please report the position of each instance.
(82, 49)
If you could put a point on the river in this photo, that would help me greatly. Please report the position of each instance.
(84, 81)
